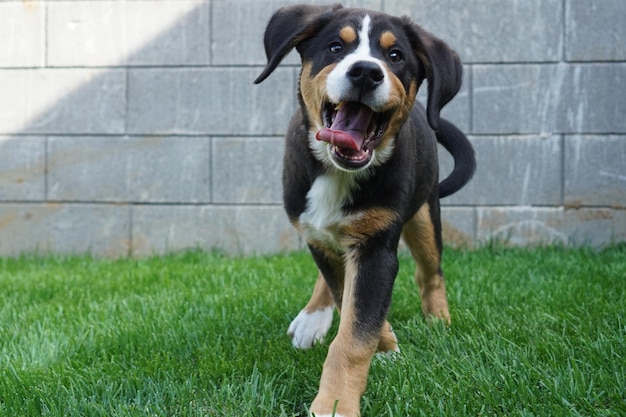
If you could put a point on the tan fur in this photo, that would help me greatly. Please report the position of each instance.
(366, 224)
(388, 341)
(419, 235)
(403, 105)
(347, 34)
(321, 297)
(387, 39)
(313, 91)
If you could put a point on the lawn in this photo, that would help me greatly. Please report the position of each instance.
(536, 332)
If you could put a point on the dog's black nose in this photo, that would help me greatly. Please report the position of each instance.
(365, 74)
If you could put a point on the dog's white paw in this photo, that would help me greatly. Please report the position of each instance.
(308, 328)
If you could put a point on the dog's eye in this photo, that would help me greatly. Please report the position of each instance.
(396, 56)
(335, 47)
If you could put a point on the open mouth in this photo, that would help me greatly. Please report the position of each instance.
(353, 131)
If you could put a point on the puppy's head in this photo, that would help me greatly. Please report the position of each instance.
(360, 74)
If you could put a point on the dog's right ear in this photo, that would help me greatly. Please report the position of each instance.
(288, 27)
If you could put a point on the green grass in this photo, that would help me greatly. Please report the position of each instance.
(536, 332)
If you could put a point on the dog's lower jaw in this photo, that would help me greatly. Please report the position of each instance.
(336, 164)
(323, 152)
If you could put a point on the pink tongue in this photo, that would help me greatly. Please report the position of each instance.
(348, 128)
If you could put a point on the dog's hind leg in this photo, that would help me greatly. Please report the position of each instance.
(312, 323)
(388, 342)
(422, 234)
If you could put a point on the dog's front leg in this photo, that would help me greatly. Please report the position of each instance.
(368, 282)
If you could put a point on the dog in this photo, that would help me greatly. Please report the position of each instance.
(360, 173)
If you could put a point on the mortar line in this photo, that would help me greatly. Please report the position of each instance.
(46, 168)
(564, 30)
(562, 169)
(129, 250)
(126, 100)
(45, 35)
(211, 169)
(211, 20)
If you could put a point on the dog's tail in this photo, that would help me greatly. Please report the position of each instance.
(455, 142)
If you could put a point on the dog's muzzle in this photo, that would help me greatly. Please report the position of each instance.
(353, 131)
(351, 125)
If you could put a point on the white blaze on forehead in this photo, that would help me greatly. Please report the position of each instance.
(338, 85)
(364, 38)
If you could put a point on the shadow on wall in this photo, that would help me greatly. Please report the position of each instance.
(90, 145)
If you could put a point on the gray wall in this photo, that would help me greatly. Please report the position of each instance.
(133, 127)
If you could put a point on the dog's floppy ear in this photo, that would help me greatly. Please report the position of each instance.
(442, 68)
(288, 27)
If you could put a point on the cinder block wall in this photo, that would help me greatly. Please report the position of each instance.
(132, 127)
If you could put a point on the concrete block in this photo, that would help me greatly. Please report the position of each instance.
(233, 229)
(136, 169)
(595, 30)
(62, 101)
(591, 100)
(22, 32)
(247, 170)
(490, 30)
(113, 33)
(532, 226)
(22, 168)
(238, 31)
(218, 101)
(516, 98)
(595, 171)
(458, 226)
(102, 230)
(597, 227)
(511, 170)
(519, 226)
(548, 98)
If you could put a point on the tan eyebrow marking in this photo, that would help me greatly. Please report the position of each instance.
(387, 39)
(347, 34)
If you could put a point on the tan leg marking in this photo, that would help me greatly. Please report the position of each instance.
(388, 341)
(419, 235)
(344, 377)
(321, 297)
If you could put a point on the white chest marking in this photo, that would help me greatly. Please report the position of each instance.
(325, 201)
